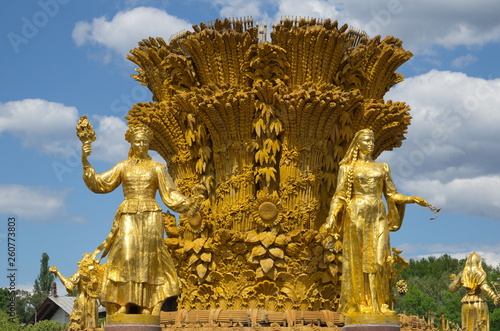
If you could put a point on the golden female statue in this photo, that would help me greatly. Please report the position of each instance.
(475, 314)
(358, 213)
(87, 280)
(140, 273)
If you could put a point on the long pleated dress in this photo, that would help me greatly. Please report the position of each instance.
(139, 270)
(365, 230)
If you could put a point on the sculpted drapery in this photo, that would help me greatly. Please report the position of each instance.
(140, 271)
(358, 213)
(475, 315)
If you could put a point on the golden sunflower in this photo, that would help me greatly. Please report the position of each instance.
(267, 210)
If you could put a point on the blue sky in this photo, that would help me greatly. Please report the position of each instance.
(61, 59)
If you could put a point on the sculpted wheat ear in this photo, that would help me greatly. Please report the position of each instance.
(85, 131)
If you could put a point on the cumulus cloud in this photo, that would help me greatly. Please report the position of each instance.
(49, 127)
(40, 124)
(463, 61)
(477, 196)
(423, 24)
(241, 8)
(449, 147)
(33, 203)
(489, 253)
(420, 24)
(314, 8)
(122, 32)
(110, 145)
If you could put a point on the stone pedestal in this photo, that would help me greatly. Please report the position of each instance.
(132, 322)
(364, 322)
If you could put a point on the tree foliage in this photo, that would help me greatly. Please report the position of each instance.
(6, 324)
(46, 326)
(45, 279)
(26, 302)
(23, 304)
(428, 293)
(43, 283)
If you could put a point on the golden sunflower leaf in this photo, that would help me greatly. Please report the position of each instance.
(266, 264)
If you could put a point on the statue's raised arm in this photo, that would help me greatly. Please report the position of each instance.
(140, 273)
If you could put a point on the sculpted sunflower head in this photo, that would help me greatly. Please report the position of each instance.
(267, 211)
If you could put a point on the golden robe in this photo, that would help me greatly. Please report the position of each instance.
(139, 270)
(365, 230)
(475, 314)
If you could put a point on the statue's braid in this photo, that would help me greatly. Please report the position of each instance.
(350, 174)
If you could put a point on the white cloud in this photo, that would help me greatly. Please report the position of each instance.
(41, 124)
(423, 24)
(420, 24)
(451, 149)
(463, 61)
(314, 8)
(126, 28)
(241, 8)
(477, 196)
(454, 125)
(34, 203)
(489, 253)
(110, 145)
(50, 127)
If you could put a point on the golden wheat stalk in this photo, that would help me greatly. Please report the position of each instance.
(85, 131)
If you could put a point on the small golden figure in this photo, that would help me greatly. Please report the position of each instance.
(475, 314)
(140, 273)
(88, 281)
(358, 214)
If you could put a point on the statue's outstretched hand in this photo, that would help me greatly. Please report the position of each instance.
(497, 301)
(94, 255)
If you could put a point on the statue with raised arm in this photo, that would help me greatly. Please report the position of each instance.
(87, 282)
(475, 314)
(358, 214)
(140, 273)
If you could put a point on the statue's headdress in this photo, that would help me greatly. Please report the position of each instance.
(473, 275)
(136, 129)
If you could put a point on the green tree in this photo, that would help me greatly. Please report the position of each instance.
(46, 326)
(4, 298)
(416, 303)
(23, 304)
(6, 324)
(43, 283)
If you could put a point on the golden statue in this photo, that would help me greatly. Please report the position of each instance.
(263, 125)
(359, 215)
(87, 281)
(140, 273)
(475, 314)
